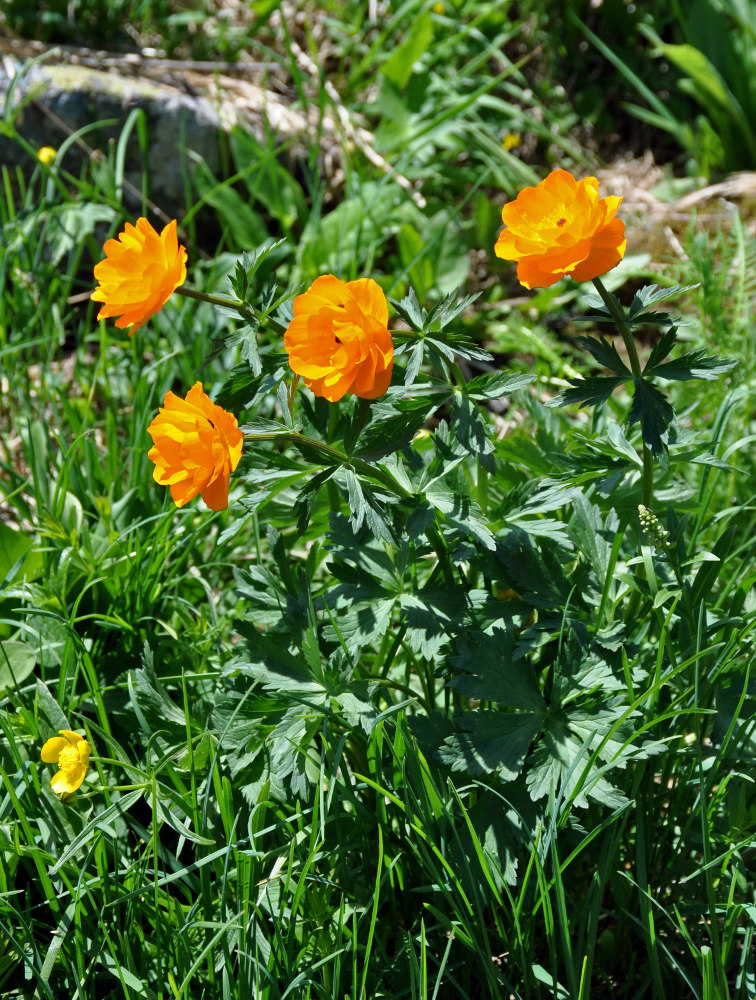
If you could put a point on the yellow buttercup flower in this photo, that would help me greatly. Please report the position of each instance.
(47, 155)
(71, 753)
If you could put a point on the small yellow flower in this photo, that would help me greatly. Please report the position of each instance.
(438, 8)
(511, 141)
(71, 753)
(47, 155)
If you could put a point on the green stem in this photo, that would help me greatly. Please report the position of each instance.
(618, 316)
(245, 310)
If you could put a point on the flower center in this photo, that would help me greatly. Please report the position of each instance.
(69, 759)
(561, 222)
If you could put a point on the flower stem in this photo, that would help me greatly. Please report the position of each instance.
(245, 310)
(618, 316)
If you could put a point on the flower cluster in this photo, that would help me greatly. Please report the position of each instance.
(338, 341)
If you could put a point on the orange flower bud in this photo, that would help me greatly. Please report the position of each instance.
(339, 341)
(197, 445)
(140, 272)
(559, 228)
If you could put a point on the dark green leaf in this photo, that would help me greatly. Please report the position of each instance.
(472, 430)
(605, 353)
(651, 294)
(491, 742)
(587, 391)
(655, 414)
(661, 348)
(696, 365)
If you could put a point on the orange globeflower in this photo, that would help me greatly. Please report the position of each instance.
(197, 445)
(140, 272)
(339, 341)
(559, 228)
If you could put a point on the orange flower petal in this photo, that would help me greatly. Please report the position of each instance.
(338, 340)
(140, 272)
(196, 446)
(561, 227)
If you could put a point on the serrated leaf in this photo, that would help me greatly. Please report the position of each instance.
(605, 353)
(410, 310)
(245, 338)
(491, 742)
(362, 624)
(472, 430)
(661, 348)
(651, 294)
(593, 536)
(696, 365)
(461, 512)
(388, 433)
(655, 414)
(494, 385)
(365, 507)
(587, 391)
(307, 496)
(413, 364)
(491, 673)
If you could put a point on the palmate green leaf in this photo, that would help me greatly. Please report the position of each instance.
(391, 427)
(243, 387)
(491, 742)
(432, 326)
(661, 348)
(653, 411)
(649, 295)
(461, 513)
(433, 615)
(245, 338)
(410, 310)
(557, 766)
(696, 365)
(308, 494)
(364, 623)
(494, 829)
(248, 265)
(365, 505)
(269, 661)
(488, 670)
(536, 573)
(593, 536)
(587, 391)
